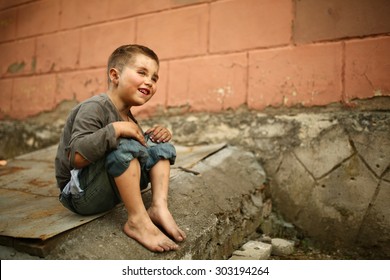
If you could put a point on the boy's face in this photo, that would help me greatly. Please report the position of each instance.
(137, 83)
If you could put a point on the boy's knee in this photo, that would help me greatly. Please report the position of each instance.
(161, 151)
(118, 160)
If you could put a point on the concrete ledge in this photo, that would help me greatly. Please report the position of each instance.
(218, 208)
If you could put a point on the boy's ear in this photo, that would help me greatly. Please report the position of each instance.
(114, 75)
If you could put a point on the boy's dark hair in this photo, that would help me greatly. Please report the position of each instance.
(122, 55)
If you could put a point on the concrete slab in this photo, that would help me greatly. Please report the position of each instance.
(325, 152)
(217, 208)
(376, 154)
(29, 197)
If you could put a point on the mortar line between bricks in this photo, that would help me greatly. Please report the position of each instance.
(344, 97)
(346, 39)
(247, 73)
(208, 37)
(293, 11)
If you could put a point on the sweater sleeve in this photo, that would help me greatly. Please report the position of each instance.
(92, 135)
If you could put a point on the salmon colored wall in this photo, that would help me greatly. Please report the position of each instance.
(216, 54)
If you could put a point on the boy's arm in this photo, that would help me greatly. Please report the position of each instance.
(92, 135)
(129, 130)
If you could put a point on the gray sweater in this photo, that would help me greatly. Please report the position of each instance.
(89, 132)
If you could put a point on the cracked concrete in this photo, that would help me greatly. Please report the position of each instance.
(328, 170)
(333, 185)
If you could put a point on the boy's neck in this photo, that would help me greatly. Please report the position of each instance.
(119, 105)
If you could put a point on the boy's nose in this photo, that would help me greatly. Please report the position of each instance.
(148, 82)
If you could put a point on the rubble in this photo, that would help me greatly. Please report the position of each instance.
(259, 250)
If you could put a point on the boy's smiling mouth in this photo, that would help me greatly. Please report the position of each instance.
(144, 91)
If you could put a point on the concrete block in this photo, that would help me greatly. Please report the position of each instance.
(5, 97)
(339, 19)
(114, 34)
(76, 13)
(237, 25)
(28, 90)
(305, 75)
(58, 51)
(121, 9)
(367, 68)
(282, 247)
(208, 84)
(38, 17)
(8, 24)
(176, 33)
(18, 57)
(253, 250)
(80, 85)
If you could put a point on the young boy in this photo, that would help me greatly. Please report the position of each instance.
(104, 157)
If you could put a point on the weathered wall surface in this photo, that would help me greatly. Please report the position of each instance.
(328, 171)
(216, 54)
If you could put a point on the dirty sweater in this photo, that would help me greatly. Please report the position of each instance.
(88, 131)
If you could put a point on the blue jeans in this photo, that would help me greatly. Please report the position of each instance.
(100, 193)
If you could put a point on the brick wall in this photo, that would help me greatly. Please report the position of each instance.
(214, 55)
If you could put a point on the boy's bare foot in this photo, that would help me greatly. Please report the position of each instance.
(162, 216)
(146, 233)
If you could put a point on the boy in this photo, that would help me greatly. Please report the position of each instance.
(104, 157)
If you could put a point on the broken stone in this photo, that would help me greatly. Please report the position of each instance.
(282, 247)
(253, 250)
(266, 239)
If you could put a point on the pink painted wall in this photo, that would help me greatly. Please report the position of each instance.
(215, 54)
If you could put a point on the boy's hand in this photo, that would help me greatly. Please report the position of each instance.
(159, 134)
(129, 130)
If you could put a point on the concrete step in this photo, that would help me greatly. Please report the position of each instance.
(218, 203)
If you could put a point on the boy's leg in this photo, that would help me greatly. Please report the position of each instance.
(99, 192)
(158, 211)
(139, 225)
